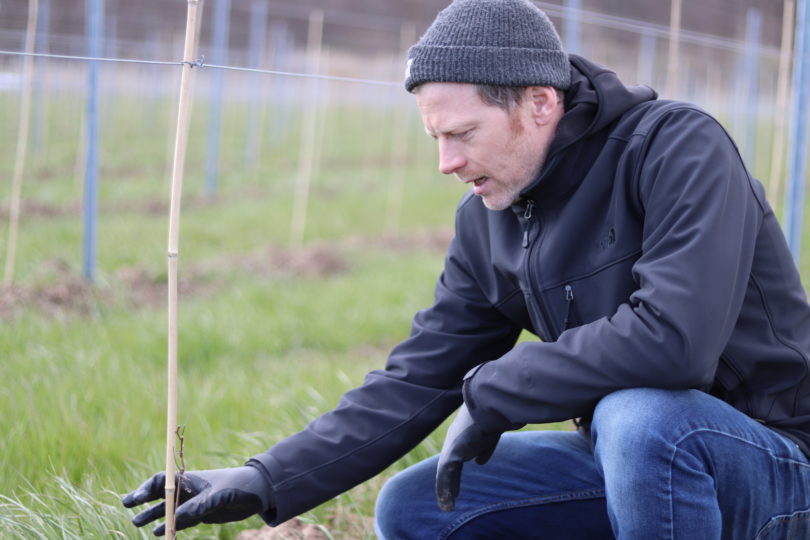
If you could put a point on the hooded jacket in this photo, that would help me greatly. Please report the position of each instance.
(643, 255)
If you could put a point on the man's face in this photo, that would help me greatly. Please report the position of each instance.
(497, 152)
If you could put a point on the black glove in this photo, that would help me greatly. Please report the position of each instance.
(464, 441)
(214, 496)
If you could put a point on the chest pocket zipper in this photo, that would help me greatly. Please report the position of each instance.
(569, 308)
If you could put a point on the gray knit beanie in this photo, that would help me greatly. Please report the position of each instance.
(499, 42)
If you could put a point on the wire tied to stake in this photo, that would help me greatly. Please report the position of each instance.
(199, 62)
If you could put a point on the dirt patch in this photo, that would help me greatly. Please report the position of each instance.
(294, 529)
(70, 296)
(144, 289)
(314, 261)
(428, 239)
(139, 287)
(41, 209)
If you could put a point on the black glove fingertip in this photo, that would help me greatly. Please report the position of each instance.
(446, 504)
(160, 530)
(447, 486)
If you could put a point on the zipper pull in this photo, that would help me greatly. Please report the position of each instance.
(569, 300)
(527, 215)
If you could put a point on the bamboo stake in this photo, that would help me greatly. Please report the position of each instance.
(398, 159)
(322, 97)
(782, 93)
(183, 115)
(674, 43)
(178, 42)
(80, 164)
(306, 151)
(22, 144)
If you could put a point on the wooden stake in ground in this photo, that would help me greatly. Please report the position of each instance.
(306, 152)
(398, 160)
(782, 93)
(674, 48)
(183, 115)
(22, 144)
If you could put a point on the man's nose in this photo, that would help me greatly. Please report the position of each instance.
(451, 159)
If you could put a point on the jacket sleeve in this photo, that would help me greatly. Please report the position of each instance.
(701, 218)
(395, 408)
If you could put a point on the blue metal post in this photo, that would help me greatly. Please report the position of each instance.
(797, 136)
(258, 33)
(646, 58)
(572, 26)
(94, 21)
(222, 12)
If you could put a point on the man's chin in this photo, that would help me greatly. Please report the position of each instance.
(495, 203)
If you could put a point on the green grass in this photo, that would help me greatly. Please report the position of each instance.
(83, 405)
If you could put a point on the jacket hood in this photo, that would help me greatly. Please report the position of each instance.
(595, 99)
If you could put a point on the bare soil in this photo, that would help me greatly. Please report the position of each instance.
(71, 295)
(294, 529)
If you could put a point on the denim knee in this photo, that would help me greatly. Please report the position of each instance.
(403, 497)
(638, 423)
(638, 412)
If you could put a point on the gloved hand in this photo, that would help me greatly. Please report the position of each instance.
(213, 496)
(464, 441)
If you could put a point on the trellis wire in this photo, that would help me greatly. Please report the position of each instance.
(201, 63)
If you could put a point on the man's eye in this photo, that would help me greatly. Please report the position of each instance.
(463, 136)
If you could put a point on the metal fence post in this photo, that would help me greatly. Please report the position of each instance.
(222, 13)
(258, 33)
(797, 137)
(94, 21)
(572, 26)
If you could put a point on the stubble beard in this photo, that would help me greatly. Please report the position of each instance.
(512, 190)
(501, 201)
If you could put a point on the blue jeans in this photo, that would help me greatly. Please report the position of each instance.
(664, 465)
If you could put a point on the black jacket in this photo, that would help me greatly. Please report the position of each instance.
(644, 255)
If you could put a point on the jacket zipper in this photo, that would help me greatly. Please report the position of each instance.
(528, 215)
(545, 321)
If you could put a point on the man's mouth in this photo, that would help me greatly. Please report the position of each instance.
(478, 184)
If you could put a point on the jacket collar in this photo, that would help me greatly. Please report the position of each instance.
(594, 101)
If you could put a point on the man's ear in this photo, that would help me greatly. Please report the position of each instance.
(544, 103)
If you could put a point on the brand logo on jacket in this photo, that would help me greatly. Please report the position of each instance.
(607, 240)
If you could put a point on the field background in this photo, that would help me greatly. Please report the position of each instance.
(273, 328)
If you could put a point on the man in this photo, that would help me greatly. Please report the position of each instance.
(626, 233)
